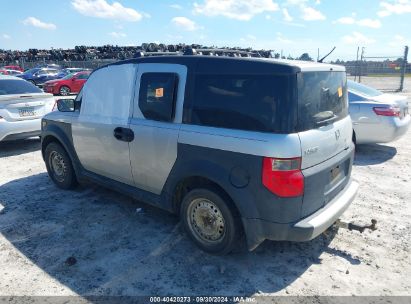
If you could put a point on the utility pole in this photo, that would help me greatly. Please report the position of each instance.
(356, 64)
(404, 67)
(362, 56)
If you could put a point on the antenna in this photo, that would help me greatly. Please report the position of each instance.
(321, 60)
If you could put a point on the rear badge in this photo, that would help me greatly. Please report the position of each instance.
(337, 134)
(310, 151)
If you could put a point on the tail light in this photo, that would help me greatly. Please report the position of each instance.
(387, 111)
(283, 176)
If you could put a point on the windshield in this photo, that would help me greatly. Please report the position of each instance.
(31, 71)
(362, 89)
(69, 76)
(17, 87)
(322, 98)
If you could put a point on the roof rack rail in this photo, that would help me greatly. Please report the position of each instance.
(144, 54)
(231, 52)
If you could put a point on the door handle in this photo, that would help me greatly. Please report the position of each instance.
(124, 134)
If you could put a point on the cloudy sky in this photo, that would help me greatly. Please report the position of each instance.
(293, 26)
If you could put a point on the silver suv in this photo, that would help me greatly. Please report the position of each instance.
(235, 146)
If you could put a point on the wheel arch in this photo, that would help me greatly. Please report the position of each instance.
(189, 183)
(60, 133)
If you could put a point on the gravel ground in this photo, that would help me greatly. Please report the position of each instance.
(93, 241)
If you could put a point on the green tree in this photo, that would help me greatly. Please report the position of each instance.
(305, 57)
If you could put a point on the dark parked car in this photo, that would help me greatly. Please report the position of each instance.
(38, 76)
(49, 66)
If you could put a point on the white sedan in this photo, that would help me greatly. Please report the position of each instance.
(22, 105)
(377, 117)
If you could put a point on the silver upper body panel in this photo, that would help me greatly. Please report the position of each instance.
(147, 160)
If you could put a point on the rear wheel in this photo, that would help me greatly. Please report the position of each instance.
(64, 90)
(209, 221)
(59, 166)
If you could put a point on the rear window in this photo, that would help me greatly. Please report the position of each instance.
(362, 89)
(17, 87)
(322, 98)
(246, 102)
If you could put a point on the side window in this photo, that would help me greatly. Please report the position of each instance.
(107, 94)
(82, 76)
(244, 102)
(157, 95)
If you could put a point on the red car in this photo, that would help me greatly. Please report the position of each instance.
(72, 83)
(13, 67)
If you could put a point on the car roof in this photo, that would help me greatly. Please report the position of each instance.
(80, 72)
(237, 64)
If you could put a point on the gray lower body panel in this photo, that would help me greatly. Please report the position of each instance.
(304, 230)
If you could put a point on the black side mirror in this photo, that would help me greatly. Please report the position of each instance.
(65, 105)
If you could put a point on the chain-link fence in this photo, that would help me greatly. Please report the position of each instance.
(89, 64)
(386, 73)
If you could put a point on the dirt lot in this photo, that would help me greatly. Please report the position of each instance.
(93, 241)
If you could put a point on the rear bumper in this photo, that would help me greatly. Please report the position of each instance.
(400, 127)
(19, 129)
(388, 130)
(258, 230)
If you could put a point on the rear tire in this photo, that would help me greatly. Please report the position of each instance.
(354, 138)
(59, 166)
(64, 90)
(209, 221)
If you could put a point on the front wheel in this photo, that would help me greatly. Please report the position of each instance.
(64, 90)
(59, 166)
(209, 221)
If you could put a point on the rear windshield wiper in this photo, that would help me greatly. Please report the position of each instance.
(325, 117)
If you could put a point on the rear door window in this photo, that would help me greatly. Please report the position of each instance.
(362, 89)
(322, 98)
(157, 95)
(17, 87)
(247, 102)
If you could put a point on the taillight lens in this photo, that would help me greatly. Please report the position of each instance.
(387, 111)
(283, 176)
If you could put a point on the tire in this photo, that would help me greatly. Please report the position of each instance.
(354, 138)
(209, 221)
(59, 166)
(64, 90)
